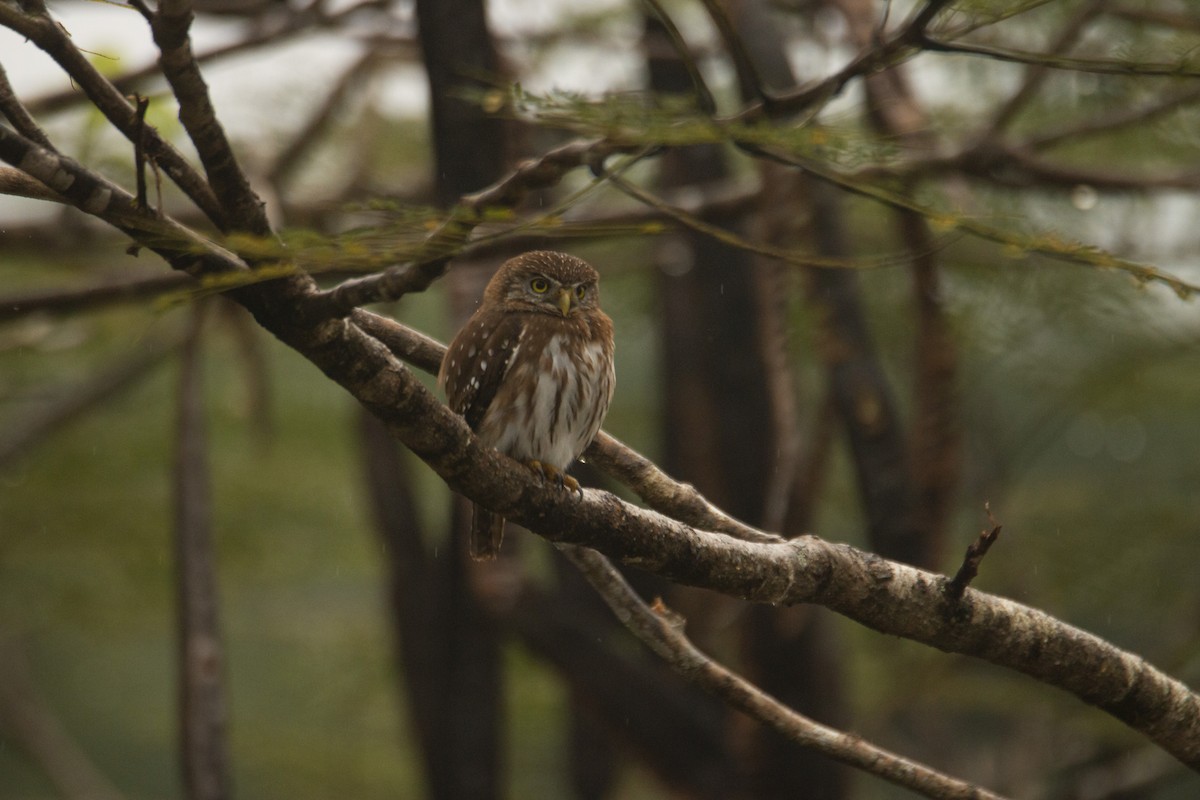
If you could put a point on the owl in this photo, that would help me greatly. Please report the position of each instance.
(532, 371)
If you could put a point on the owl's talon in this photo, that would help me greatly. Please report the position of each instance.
(539, 469)
(548, 472)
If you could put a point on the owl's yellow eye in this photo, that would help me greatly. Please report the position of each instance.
(539, 285)
(580, 291)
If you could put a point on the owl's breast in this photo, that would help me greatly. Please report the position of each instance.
(552, 399)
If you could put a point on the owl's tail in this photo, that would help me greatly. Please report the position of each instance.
(487, 531)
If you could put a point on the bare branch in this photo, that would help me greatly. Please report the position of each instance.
(1098, 66)
(887, 52)
(883, 595)
(96, 195)
(47, 34)
(171, 24)
(18, 115)
(453, 234)
(1036, 74)
(661, 631)
(18, 184)
(886, 596)
(704, 96)
(678, 500)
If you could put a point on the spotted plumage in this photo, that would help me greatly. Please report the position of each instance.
(532, 370)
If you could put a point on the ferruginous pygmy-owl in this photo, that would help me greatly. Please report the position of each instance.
(532, 371)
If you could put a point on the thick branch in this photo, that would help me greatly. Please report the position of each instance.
(883, 595)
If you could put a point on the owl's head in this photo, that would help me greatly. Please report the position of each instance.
(546, 282)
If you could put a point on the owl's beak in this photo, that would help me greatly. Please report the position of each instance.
(564, 301)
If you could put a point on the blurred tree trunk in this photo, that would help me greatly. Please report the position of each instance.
(935, 440)
(449, 646)
(729, 424)
(203, 704)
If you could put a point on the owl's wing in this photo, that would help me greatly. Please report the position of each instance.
(476, 362)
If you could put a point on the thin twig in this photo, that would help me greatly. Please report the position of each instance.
(96, 295)
(1097, 66)
(292, 156)
(975, 553)
(884, 53)
(298, 22)
(139, 150)
(661, 631)
(704, 96)
(1118, 118)
(743, 63)
(794, 256)
(16, 113)
(453, 234)
(1047, 245)
(1036, 74)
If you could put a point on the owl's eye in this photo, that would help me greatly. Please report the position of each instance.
(539, 285)
(580, 291)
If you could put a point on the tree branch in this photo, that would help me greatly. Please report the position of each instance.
(885, 596)
(452, 235)
(46, 33)
(1099, 66)
(662, 632)
(18, 115)
(171, 24)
